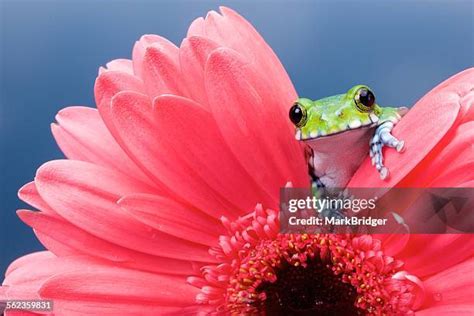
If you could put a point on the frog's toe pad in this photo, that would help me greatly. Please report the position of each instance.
(384, 173)
(400, 146)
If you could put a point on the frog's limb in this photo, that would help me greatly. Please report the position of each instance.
(382, 138)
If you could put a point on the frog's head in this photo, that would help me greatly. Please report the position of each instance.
(340, 113)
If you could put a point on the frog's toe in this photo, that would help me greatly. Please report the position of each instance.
(384, 136)
(382, 170)
(383, 173)
(400, 146)
(395, 143)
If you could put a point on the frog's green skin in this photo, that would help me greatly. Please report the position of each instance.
(340, 134)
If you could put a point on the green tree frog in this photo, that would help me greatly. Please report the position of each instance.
(341, 130)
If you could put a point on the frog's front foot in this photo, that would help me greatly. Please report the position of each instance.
(382, 138)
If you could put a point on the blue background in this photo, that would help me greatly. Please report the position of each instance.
(50, 52)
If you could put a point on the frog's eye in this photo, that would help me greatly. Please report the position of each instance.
(298, 115)
(364, 99)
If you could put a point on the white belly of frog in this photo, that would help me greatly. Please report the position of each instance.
(335, 158)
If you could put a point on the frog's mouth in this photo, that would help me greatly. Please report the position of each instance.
(371, 121)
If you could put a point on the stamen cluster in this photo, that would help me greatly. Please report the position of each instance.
(253, 253)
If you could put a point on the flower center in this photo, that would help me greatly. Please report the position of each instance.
(326, 274)
(313, 289)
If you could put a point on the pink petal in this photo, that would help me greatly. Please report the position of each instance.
(173, 218)
(458, 83)
(196, 28)
(34, 257)
(86, 196)
(248, 42)
(467, 108)
(453, 176)
(454, 164)
(449, 163)
(193, 55)
(234, 92)
(115, 285)
(447, 310)
(82, 135)
(79, 285)
(461, 144)
(29, 194)
(84, 243)
(20, 313)
(161, 71)
(452, 286)
(35, 272)
(467, 184)
(26, 279)
(439, 110)
(60, 248)
(122, 65)
(177, 120)
(426, 254)
(393, 244)
(109, 84)
(20, 292)
(141, 46)
(140, 134)
(104, 307)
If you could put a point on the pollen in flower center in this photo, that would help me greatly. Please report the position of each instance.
(297, 274)
(313, 289)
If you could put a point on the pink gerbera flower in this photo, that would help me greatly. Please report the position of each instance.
(167, 202)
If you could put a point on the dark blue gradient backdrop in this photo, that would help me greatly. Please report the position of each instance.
(51, 50)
